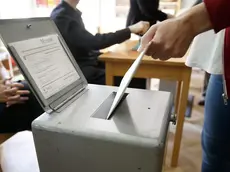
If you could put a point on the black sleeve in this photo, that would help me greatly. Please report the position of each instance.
(81, 38)
(162, 16)
(150, 8)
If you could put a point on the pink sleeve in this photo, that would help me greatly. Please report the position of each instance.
(219, 12)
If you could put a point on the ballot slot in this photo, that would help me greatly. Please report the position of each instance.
(103, 109)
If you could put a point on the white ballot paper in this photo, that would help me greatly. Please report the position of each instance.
(125, 81)
(47, 62)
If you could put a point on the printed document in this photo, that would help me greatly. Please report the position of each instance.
(48, 63)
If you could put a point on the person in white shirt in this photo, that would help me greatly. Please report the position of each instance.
(206, 54)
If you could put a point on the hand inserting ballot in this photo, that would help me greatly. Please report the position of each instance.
(170, 38)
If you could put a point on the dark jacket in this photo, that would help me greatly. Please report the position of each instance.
(83, 45)
(145, 10)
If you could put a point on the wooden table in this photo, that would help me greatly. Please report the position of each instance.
(120, 59)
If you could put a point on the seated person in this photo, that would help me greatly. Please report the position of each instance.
(145, 10)
(85, 46)
(18, 107)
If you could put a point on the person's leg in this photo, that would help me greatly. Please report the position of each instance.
(20, 116)
(206, 79)
(215, 134)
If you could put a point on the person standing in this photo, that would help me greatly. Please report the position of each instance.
(145, 10)
(172, 38)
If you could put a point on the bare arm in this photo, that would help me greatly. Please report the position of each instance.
(173, 37)
(198, 19)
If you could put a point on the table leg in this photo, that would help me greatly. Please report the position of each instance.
(177, 97)
(148, 84)
(109, 78)
(165, 153)
(180, 118)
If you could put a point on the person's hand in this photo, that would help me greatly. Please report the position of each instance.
(14, 94)
(4, 84)
(140, 27)
(170, 38)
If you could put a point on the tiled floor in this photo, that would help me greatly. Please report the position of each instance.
(18, 154)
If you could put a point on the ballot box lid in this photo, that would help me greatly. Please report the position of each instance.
(14, 31)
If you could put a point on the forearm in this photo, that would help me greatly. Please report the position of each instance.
(105, 40)
(198, 19)
(4, 74)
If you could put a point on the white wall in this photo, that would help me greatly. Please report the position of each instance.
(27, 8)
(187, 3)
(90, 14)
(108, 15)
(99, 13)
(16, 8)
(89, 8)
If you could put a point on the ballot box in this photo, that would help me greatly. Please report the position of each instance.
(81, 139)
(75, 134)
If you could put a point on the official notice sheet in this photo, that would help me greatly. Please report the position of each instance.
(47, 62)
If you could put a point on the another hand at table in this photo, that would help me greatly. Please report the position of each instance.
(3, 86)
(140, 27)
(14, 94)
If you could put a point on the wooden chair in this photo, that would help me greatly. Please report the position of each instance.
(5, 136)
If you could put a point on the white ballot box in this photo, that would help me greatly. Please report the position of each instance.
(75, 134)
(80, 138)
